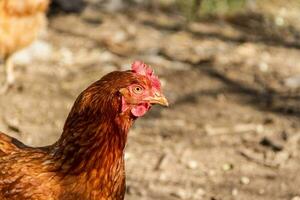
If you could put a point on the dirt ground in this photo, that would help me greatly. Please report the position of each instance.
(232, 130)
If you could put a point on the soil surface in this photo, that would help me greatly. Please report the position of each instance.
(232, 130)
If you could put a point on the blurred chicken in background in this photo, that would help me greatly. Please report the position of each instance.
(21, 22)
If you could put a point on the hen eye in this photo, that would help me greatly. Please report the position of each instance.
(138, 89)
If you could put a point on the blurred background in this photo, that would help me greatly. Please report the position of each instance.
(231, 71)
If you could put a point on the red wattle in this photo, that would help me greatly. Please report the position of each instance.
(140, 110)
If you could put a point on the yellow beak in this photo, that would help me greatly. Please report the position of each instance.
(158, 99)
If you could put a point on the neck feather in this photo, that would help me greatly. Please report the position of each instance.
(94, 135)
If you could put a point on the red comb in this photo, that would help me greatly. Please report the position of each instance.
(141, 68)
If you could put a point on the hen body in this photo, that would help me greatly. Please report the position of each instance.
(21, 21)
(35, 174)
(87, 162)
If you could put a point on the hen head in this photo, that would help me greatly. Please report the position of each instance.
(125, 94)
(140, 95)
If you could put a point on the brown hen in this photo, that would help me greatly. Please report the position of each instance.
(87, 162)
(21, 21)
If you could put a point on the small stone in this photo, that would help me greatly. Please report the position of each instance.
(234, 192)
(296, 198)
(279, 21)
(227, 167)
(245, 180)
(13, 124)
(264, 67)
(192, 164)
(180, 193)
(259, 128)
(127, 156)
(163, 177)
